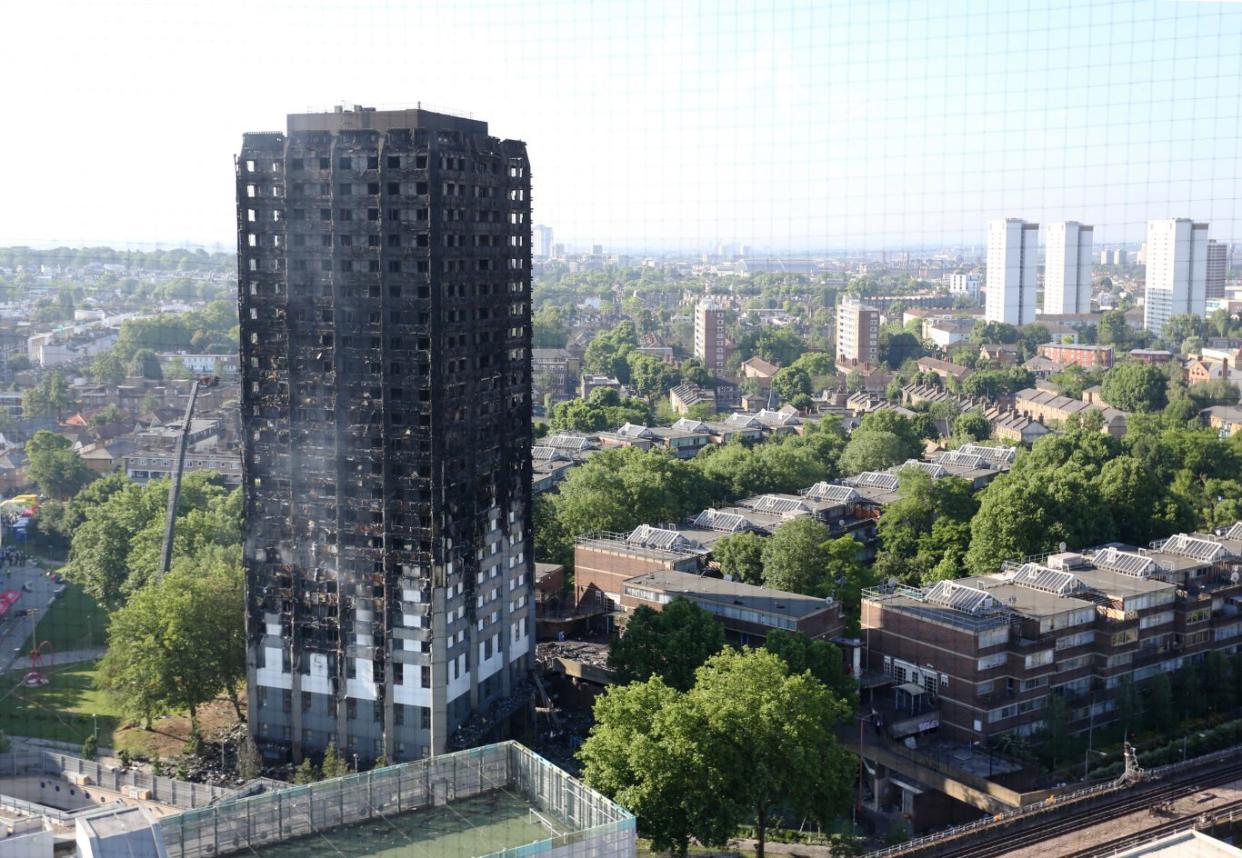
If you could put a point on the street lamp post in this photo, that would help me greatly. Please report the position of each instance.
(355, 762)
(95, 719)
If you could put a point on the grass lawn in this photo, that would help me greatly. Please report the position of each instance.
(75, 621)
(60, 710)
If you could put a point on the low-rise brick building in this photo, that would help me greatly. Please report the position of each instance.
(747, 612)
(1085, 356)
(990, 650)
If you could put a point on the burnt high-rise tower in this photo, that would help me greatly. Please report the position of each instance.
(384, 280)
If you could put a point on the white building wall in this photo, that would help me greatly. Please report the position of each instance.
(1067, 268)
(1013, 257)
(1176, 257)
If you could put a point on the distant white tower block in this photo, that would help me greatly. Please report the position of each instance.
(1013, 258)
(1177, 254)
(1067, 268)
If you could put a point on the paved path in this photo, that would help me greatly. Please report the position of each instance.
(15, 631)
(73, 656)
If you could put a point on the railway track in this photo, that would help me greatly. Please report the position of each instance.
(1230, 811)
(987, 843)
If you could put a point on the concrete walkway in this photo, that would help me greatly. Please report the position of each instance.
(15, 631)
(55, 659)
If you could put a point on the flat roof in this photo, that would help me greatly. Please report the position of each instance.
(1024, 600)
(111, 821)
(1113, 583)
(368, 118)
(618, 543)
(735, 593)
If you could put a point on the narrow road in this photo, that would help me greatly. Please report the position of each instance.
(55, 659)
(15, 631)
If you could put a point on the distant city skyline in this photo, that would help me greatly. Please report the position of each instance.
(789, 126)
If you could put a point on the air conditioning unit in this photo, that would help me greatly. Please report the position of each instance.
(79, 778)
(138, 792)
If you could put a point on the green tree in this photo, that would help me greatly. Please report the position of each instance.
(1135, 387)
(1051, 495)
(1022, 515)
(671, 643)
(617, 490)
(306, 773)
(795, 559)
(178, 642)
(848, 576)
(747, 742)
(49, 398)
(897, 348)
(548, 328)
(54, 466)
(972, 425)
(998, 383)
(605, 355)
(108, 368)
(116, 547)
(333, 765)
(994, 332)
(780, 346)
(791, 381)
(1129, 707)
(552, 543)
(872, 451)
(883, 438)
(1217, 391)
(1218, 676)
(929, 523)
(1114, 330)
(1158, 703)
(1181, 327)
(740, 556)
(1141, 502)
(822, 658)
(1055, 738)
(645, 752)
(145, 364)
(773, 740)
(1188, 697)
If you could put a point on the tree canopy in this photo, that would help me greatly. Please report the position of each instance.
(49, 398)
(116, 547)
(54, 466)
(603, 409)
(617, 490)
(1085, 488)
(929, 524)
(882, 439)
(746, 744)
(795, 559)
(740, 556)
(1135, 387)
(178, 643)
(670, 643)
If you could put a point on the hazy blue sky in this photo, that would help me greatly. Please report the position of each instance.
(651, 123)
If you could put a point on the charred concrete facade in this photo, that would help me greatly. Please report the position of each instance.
(384, 279)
